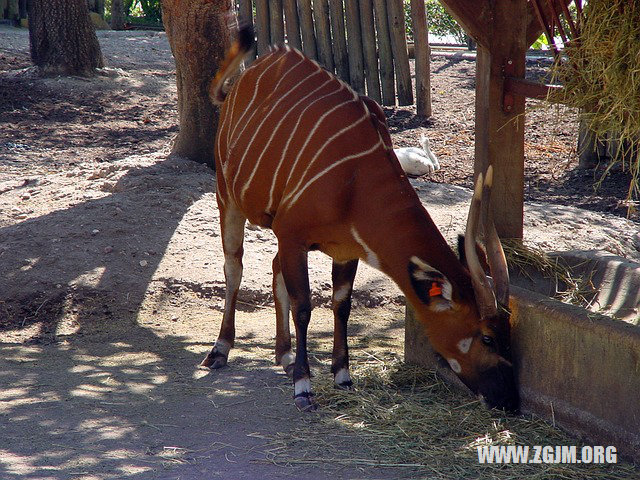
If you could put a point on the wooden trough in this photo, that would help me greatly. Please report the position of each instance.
(577, 369)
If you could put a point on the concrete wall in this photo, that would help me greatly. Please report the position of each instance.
(576, 368)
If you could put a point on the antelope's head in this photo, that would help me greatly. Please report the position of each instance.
(469, 327)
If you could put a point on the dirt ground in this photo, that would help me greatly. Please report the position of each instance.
(112, 284)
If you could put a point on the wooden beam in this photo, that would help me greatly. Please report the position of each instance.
(526, 88)
(338, 31)
(385, 53)
(292, 24)
(473, 15)
(372, 74)
(323, 33)
(423, 71)
(500, 133)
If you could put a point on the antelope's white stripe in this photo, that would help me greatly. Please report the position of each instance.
(320, 150)
(464, 345)
(294, 199)
(302, 386)
(265, 117)
(249, 107)
(341, 293)
(342, 377)
(290, 138)
(311, 134)
(372, 258)
(274, 130)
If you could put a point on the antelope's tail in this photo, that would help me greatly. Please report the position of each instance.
(231, 63)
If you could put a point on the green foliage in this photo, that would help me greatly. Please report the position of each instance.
(440, 22)
(540, 43)
(138, 11)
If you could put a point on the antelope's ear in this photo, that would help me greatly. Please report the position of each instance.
(482, 254)
(431, 286)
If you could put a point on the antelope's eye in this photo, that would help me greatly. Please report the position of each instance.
(488, 341)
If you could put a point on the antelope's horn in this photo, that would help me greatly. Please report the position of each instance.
(485, 298)
(495, 253)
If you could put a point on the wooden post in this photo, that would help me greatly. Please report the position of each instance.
(340, 52)
(400, 54)
(276, 22)
(423, 71)
(292, 23)
(323, 33)
(500, 131)
(306, 25)
(369, 48)
(246, 15)
(263, 28)
(354, 46)
(385, 52)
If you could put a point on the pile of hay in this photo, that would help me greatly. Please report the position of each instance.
(406, 418)
(601, 77)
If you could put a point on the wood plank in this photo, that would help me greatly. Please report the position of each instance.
(369, 49)
(245, 14)
(305, 14)
(473, 15)
(276, 22)
(423, 70)
(292, 24)
(354, 46)
(263, 28)
(386, 55)
(500, 134)
(338, 30)
(323, 33)
(395, 10)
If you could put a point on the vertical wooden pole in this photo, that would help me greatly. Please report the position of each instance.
(292, 23)
(500, 126)
(372, 74)
(385, 52)
(354, 46)
(276, 22)
(340, 53)
(400, 54)
(323, 33)
(306, 25)
(423, 70)
(246, 15)
(263, 29)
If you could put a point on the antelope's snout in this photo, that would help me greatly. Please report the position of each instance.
(497, 386)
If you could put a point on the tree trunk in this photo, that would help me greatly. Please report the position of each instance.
(199, 37)
(63, 40)
(117, 15)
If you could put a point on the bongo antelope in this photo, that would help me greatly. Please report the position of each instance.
(298, 151)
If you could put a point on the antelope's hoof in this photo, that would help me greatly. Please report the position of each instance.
(305, 403)
(214, 361)
(346, 386)
(289, 370)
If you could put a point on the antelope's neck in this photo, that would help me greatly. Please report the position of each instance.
(397, 227)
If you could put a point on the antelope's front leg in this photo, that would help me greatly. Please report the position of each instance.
(293, 261)
(232, 229)
(342, 276)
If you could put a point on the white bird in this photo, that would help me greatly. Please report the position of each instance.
(417, 161)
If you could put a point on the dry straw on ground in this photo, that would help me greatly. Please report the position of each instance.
(405, 417)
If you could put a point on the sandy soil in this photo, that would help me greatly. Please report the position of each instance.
(112, 280)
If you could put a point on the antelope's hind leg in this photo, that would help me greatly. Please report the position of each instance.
(293, 261)
(232, 228)
(342, 276)
(284, 356)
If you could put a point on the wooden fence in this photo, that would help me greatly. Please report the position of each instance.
(362, 41)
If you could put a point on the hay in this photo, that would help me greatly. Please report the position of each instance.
(406, 418)
(569, 287)
(601, 77)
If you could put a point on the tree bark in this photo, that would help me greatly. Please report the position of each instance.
(63, 40)
(199, 37)
(117, 15)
